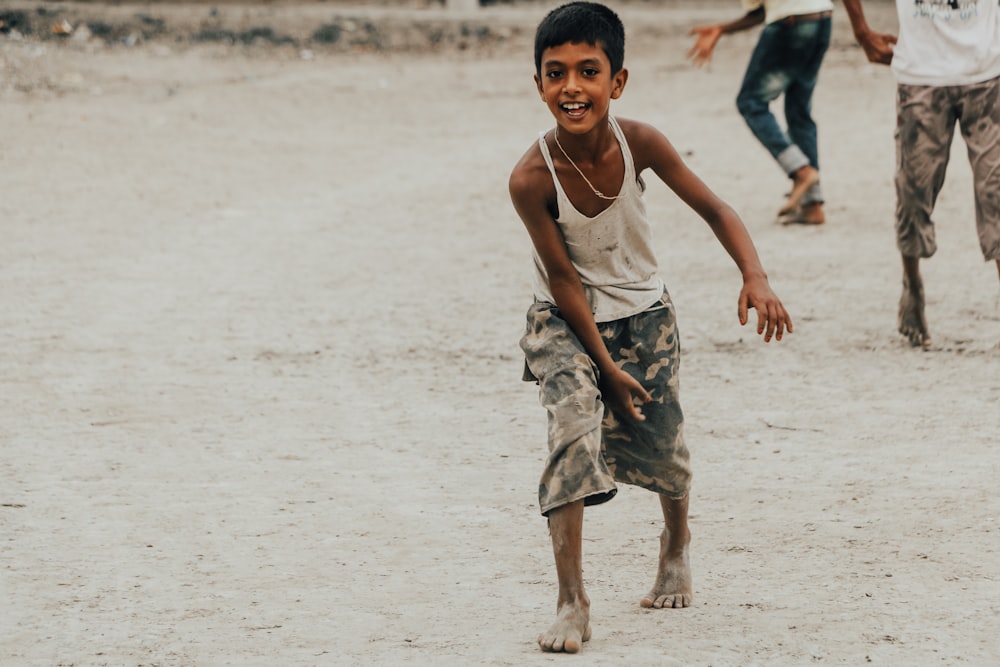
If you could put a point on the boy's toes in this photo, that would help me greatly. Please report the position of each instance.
(672, 601)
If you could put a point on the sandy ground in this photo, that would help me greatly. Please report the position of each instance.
(260, 375)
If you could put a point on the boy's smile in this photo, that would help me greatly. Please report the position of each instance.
(575, 109)
(577, 84)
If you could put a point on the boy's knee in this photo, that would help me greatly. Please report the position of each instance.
(750, 105)
(743, 104)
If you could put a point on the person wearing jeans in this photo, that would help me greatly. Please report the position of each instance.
(786, 61)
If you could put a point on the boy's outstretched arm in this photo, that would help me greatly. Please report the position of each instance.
(708, 35)
(619, 389)
(652, 149)
(877, 45)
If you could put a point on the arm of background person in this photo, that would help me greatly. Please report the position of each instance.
(708, 35)
(877, 45)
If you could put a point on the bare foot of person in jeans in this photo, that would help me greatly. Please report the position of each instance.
(802, 180)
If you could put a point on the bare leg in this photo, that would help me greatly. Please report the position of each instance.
(673, 577)
(912, 322)
(572, 626)
(998, 275)
(802, 180)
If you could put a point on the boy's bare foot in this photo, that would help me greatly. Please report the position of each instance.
(571, 629)
(673, 579)
(802, 180)
(812, 214)
(912, 322)
(809, 214)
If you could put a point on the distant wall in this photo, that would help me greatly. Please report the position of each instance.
(408, 4)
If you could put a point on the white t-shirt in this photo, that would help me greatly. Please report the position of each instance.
(947, 42)
(775, 10)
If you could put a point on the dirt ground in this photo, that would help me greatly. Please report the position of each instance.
(261, 384)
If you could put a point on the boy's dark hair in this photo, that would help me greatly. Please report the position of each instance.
(578, 22)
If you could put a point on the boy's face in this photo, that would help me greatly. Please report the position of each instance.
(577, 85)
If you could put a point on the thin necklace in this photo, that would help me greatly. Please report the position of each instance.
(582, 175)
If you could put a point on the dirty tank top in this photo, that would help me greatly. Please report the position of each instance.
(612, 251)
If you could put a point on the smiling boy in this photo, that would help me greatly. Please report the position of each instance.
(601, 337)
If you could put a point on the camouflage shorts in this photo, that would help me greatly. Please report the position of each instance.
(926, 117)
(590, 447)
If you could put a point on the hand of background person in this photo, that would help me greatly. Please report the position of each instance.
(620, 391)
(701, 52)
(772, 318)
(878, 46)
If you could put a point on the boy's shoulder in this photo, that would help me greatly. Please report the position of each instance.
(645, 142)
(635, 131)
(531, 158)
(531, 173)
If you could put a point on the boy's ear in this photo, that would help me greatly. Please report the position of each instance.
(538, 84)
(618, 82)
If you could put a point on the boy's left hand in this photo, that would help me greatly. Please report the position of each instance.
(772, 318)
(624, 394)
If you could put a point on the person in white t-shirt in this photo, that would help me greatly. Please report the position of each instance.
(947, 68)
(786, 61)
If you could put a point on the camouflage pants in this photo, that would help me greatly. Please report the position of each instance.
(926, 117)
(590, 447)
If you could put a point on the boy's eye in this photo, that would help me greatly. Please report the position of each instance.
(590, 71)
(554, 74)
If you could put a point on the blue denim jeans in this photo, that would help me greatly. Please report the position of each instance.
(786, 61)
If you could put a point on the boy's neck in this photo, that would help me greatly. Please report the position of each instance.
(590, 143)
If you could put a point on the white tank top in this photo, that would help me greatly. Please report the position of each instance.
(612, 251)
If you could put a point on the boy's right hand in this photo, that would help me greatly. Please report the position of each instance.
(621, 391)
(701, 52)
(878, 46)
